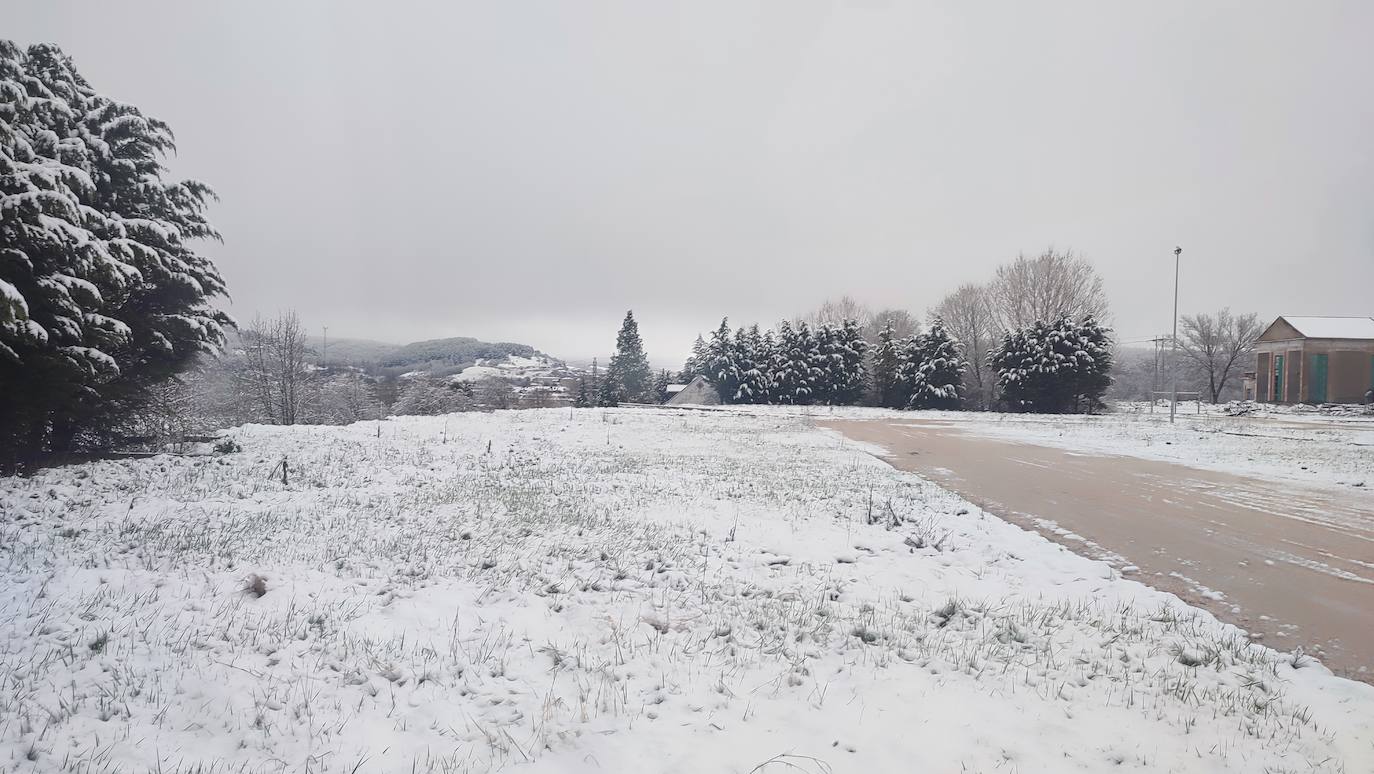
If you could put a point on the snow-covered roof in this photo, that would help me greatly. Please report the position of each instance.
(1332, 327)
(672, 388)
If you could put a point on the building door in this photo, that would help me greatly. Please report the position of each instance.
(1317, 392)
(1278, 378)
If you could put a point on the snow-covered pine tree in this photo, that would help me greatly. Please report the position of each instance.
(696, 362)
(661, 386)
(811, 362)
(101, 294)
(908, 373)
(742, 361)
(767, 357)
(1054, 368)
(851, 378)
(582, 399)
(721, 368)
(608, 392)
(605, 392)
(938, 381)
(825, 365)
(791, 367)
(886, 359)
(629, 377)
(752, 363)
(1092, 361)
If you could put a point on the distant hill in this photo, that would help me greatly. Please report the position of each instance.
(358, 352)
(452, 355)
(438, 356)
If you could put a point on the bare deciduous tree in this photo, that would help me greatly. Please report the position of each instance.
(1043, 288)
(904, 324)
(967, 315)
(1216, 346)
(276, 372)
(492, 392)
(538, 396)
(834, 313)
(342, 397)
(427, 395)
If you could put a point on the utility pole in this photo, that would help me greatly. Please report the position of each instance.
(1157, 384)
(324, 348)
(1173, 356)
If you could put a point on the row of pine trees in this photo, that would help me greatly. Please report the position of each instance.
(799, 364)
(796, 364)
(1048, 367)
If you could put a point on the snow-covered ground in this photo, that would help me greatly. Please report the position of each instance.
(1334, 452)
(1334, 449)
(618, 591)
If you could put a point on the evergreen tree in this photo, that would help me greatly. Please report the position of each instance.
(791, 367)
(766, 358)
(594, 384)
(696, 362)
(813, 364)
(752, 364)
(797, 364)
(1026, 379)
(628, 377)
(850, 376)
(908, 373)
(1061, 367)
(721, 367)
(604, 391)
(1092, 358)
(825, 365)
(661, 387)
(583, 398)
(608, 393)
(886, 360)
(102, 297)
(937, 380)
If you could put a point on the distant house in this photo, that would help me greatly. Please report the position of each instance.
(1315, 360)
(697, 392)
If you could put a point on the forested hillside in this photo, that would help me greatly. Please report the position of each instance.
(438, 356)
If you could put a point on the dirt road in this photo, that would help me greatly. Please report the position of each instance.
(1290, 564)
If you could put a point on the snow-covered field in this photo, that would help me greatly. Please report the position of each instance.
(618, 591)
(1332, 452)
(1325, 450)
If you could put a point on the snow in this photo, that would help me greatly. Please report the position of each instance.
(11, 296)
(92, 359)
(1328, 448)
(1333, 327)
(1332, 454)
(590, 590)
(477, 373)
(509, 367)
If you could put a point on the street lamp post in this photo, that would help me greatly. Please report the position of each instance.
(1173, 356)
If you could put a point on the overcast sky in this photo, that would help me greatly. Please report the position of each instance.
(528, 171)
